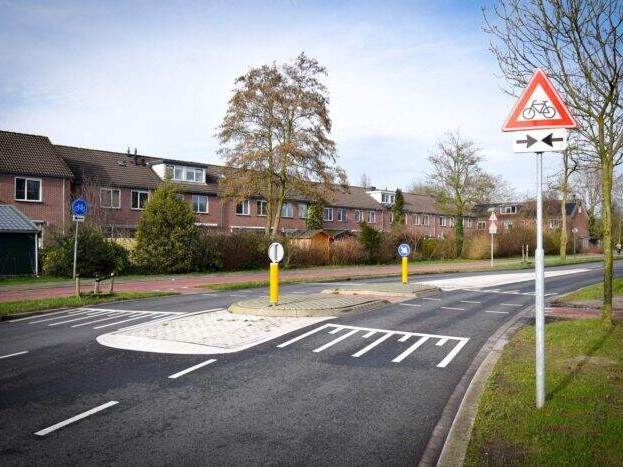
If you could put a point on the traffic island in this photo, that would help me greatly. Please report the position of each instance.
(390, 289)
(306, 305)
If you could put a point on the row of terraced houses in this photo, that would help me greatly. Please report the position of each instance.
(41, 179)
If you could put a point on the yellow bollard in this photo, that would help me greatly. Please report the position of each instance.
(274, 283)
(405, 269)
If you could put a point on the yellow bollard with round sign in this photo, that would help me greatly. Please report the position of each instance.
(275, 253)
(404, 251)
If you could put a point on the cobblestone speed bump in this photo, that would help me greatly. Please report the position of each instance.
(389, 289)
(306, 305)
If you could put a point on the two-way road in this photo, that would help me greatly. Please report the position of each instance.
(364, 389)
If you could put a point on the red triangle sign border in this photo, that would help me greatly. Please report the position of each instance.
(565, 119)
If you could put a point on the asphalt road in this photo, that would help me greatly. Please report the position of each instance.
(306, 402)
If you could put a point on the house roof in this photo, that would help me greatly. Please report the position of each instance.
(13, 221)
(34, 155)
(107, 168)
(354, 197)
(420, 203)
(551, 207)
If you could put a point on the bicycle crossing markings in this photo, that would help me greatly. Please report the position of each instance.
(40, 315)
(120, 322)
(81, 318)
(114, 316)
(422, 338)
(66, 315)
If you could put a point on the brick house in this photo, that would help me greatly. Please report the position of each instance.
(35, 179)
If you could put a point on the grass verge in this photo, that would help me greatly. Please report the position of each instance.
(593, 292)
(19, 306)
(582, 421)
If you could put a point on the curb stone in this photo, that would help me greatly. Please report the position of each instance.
(448, 443)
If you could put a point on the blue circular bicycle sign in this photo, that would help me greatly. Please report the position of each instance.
(404, 250)
(79, 207)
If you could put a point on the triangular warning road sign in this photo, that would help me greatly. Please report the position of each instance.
(539, 106)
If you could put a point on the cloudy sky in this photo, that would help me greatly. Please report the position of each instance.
(157, 75)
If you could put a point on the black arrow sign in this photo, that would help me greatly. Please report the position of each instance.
(549, 139)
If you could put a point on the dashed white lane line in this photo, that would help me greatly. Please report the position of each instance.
(511, 304)
(470, 301)
(76, 418)
(434, 299)
(14, 354)
(451, 308)
(192, 368)
(335, 341)
(497, 311)
(409, 304)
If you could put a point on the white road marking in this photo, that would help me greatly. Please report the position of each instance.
(237, 295)
(410, 350)
(146, 312)
(79, 319)
(510, 304)
(335, 331)
(208, 294)
(302, 336)
(76, 418)
(496, 311)
(372, 345)
(120, 322)
(168, 316)
(70, 315)
(404, 338)
(40, 315)
(409, 304)
(14, 354)
(369, 334)
(335, 341)
(470, 301)
(429, 298)
(114, 316)
(192, 368)
(457, 348)
(441, 342)
(451, 308)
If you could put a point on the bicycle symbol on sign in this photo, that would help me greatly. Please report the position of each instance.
(538, 107)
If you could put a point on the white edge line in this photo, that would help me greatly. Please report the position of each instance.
(192, 368)
(470, 301)
(14, 354)
(45, 431)
(496, 311)
(451, 308)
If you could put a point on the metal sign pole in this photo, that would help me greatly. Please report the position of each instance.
(491, 250)
(75, 249)
(539, 308)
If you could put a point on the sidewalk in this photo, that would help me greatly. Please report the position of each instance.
(189, 283)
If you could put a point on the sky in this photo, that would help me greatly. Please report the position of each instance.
(157, 75)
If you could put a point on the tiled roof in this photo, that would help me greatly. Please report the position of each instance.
(551, 207)
(30, 155)
(12, 220)
(107, 168)
(423, 204)
(353, 197)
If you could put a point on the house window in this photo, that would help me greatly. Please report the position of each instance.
(358, 215)
(287, 210)
(341, 215)
(507, 224)
(417, 219)
(388, 198)
(469, 222)
(110, 198)
(555, 223)
(242, 208)
(261, 207)
(452, 222)
(139, 199)
(27, 189)
(327, 214)
(371, 217)
(443, 221)
(425, 219)
(508, 210)
(200, 203)
(482, 225)
(302, 210)
(188, 174)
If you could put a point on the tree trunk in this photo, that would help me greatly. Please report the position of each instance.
(606, 207)
(274, 231)
(458, 232)
(563, 212)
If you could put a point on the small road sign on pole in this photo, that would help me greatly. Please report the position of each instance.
(275, 253)
(404, 250)
(493, 229)
(539, 107)
(79, 208)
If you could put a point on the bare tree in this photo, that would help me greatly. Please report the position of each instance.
(499, 191)
(419, 187)
(275, 137)
(588, 188)
(365, 181)
(578, 44)
(458, 181)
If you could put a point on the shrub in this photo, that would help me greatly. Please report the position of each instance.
(370, 240)
(438, 248)
(347, 251)
(396, 236)
(235, 251)
(477, 246)
(167, 239)
(509, 242)
(313, 219)
(306, 256)
(96, 255)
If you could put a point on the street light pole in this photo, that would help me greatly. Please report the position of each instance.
(539, 308)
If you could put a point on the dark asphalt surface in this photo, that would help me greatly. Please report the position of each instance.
(264, 405)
